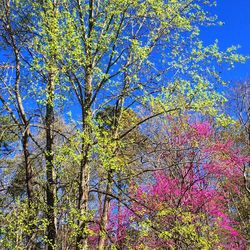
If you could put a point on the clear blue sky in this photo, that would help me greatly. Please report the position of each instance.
(236, 31)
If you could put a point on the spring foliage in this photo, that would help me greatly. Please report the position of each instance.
(113, 134)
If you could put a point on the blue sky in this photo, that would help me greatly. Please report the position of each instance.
(236, 31)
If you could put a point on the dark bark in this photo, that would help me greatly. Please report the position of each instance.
(50, 175)
(84, 171)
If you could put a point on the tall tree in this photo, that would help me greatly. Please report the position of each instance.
(102, 70)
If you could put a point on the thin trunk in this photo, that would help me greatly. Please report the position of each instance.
(84, 166)
(20, 108)
(119, 183)
(50, 175)
(104, 217)
(51, 21)
(83, 203)
(26, 133)
(106, 204)
(83, 198)
(25, 126)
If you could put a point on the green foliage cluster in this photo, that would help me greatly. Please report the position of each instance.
(86, 79)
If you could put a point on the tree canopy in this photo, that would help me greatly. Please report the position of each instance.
(114, 131)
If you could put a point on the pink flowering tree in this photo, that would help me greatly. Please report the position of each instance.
(185, 204)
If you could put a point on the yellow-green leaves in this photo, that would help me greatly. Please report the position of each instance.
(19, 223)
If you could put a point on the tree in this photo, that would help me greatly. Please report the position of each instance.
(106, 69)
(185, 204)
(240, 108)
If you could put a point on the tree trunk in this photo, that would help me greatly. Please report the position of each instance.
(84, 166)
(104, 217)
(24, 122)
(106, 204)
(82, 241)
(50, 175)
